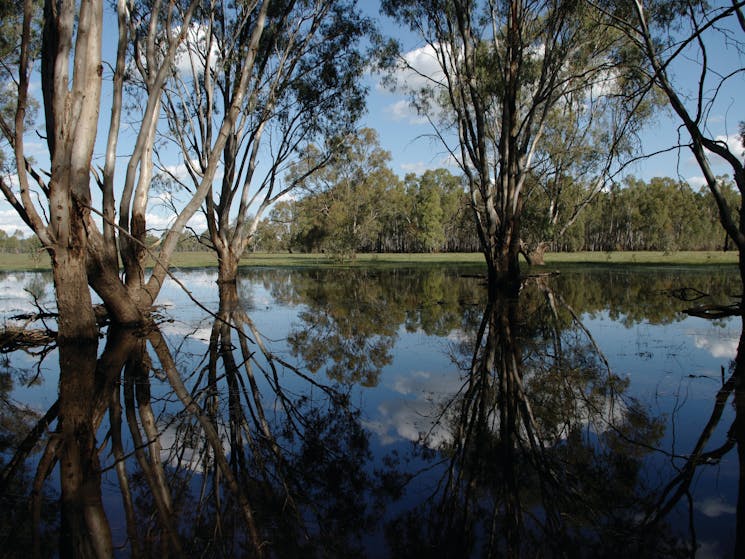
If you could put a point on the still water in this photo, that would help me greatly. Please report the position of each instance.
(395, 413)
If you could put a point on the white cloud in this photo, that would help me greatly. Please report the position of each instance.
(410, 420)
(159, 222)
(719, 347)
(178, 171)
(416, 415)
(733, 142)
(423, 67)
(696, 181)
(189, 59)
(403, 111)
(714, 507)
(198, 222)
(734, 145)
(419, 68)
(10, 222)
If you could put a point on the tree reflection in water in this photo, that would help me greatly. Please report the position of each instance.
(241, 466)
(545, 452)
(238, 452)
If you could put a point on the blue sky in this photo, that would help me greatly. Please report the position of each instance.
(408, 137)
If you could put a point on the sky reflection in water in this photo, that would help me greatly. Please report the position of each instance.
(391, 413)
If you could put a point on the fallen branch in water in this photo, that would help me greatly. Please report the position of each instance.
(715, 311)
(13, 338)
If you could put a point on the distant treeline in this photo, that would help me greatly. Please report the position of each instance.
(17, 243)
(431, 213)
(662, 214)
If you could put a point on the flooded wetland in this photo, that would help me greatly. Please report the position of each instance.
(383, 413)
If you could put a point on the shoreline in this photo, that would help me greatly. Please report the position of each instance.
(28, 262)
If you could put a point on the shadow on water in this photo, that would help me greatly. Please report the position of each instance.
(231, 448)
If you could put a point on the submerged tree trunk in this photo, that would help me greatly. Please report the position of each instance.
(76, 322)
(502, 251)
(229, 301)
(85, 530)
(737, 431)
(503, 272)
(71, 90)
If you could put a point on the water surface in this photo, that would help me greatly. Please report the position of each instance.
(383, 414)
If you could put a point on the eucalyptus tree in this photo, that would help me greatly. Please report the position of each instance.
(303, 92)
(71, 98)
(503, 69)
(251, 21)
(346, 199)
(436, 199)
(668, 36)
(58, 204)
(588, 139)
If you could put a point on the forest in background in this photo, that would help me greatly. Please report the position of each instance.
(430, 213)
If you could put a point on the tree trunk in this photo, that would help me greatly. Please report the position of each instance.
(738, 430)
(85, 530)
(502, 261)
(227, 265)
(535, 255)
(103, 276)
(76, 320)
(229, 301)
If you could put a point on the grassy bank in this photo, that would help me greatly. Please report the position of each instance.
(15, 262)
(688, 258)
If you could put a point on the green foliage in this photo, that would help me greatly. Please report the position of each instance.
(17, 243)
(431, 213)
(342, 211)
(662, 214)
(357, 204)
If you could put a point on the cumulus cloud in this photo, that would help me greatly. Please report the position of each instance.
(714, 507)
(696, 181)
(416, 415)
(733, 143)
(403, 111)
(190, 56)
(10, 222)
(419, 68)
(718, 347)
(178, 171)
(409, 420)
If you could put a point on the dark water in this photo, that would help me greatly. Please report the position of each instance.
(337, 413)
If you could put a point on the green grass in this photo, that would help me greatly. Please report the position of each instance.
(16, 262)
(383, 260)
(651, 257)
(200, 259)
